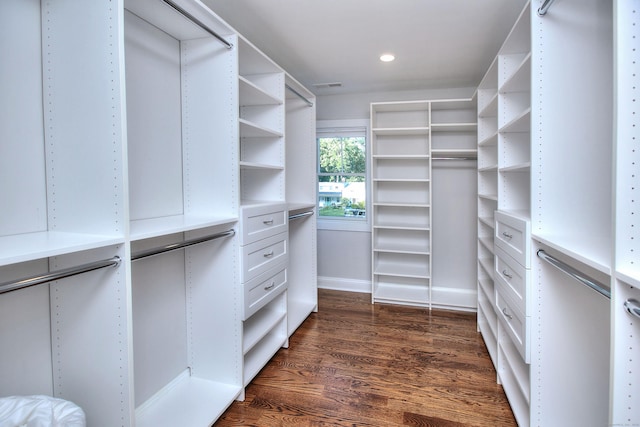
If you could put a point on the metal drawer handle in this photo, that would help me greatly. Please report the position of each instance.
(507, 235)
(633, 307)
(266, 288)
(505, 273)
(268, 254)
(268, 221)
(507, 315)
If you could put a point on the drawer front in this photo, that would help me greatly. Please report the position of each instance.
(263, 255)
(263, 289)
(514, 280)
(517, 326)
(259, 222)
(513, 235)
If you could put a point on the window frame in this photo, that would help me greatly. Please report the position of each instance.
(345, 223)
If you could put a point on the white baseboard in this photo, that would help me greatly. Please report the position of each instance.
(341, 284)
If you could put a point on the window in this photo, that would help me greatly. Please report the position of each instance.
(342, 174)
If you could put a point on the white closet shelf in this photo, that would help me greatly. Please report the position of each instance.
(629, 276)
(401, 180)
(253, 130)
(255, 360)
(493, 197)
(520, 80)
(488, 221)
(491, 108)
(487, 242)
(400, 226)
(401, 131)
(575, 250)
(489, 141)
(454, 127)
(262, 166)
(259, 325)
(186, 401)
(521, 167)
(487, 265)
(405, 248)
(405, 205)
(27, 247)
(251, 94)
(454, 152)
(154, 227)
(402, 293)
(413, 271)
(520, 123)
(400, 156)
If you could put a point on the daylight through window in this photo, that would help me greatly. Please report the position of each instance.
(342, 174)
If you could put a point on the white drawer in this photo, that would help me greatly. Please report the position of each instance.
(262, 221)
(513, 235)
(514, 280)
(263, 255)
(517, 326)
(263, 289)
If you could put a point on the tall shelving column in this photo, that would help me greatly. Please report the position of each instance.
(625, 329)
(181, 137)
(453, 135)
(401, 192)
(487, 205)
(264, 245)
(301, 152)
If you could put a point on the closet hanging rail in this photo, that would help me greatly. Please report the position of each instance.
(298, 94)
(56, 275)
(300, 215)
(175, 246)
(542, 10)
(633, 307)
(198, 23)
(567, 269)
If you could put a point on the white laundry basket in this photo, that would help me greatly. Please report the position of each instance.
(40, 411)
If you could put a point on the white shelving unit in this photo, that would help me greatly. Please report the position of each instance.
(123, 136)
(626, 281)
(403, 135)
(300, 113)
(401, 192)
(542, 123)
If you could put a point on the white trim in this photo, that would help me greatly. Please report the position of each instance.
(342, 284)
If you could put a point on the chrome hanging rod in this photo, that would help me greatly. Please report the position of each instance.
(300, 215)
(542, 10)
(633, 307)
(309, 103)
(567, 269)
(198, 23)
(56, 275)
(175, 246)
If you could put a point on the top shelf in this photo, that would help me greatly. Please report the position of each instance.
(401, 131)
(251, 94)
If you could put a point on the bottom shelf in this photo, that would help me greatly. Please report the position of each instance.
(262, 352)
(297, 312)
(401, 290)
(186, 401)
(514, 377)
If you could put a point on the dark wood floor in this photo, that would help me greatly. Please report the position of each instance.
(358, 364)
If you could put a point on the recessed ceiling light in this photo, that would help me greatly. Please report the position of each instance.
(387, 57)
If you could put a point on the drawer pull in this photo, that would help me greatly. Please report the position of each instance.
(266, 288)
(268, 221)
(505, 273)
(507, 315)
(268, 254)
(507, 235)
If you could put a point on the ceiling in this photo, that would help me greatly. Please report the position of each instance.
(437, 43)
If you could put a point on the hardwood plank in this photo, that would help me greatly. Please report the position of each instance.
(358, 364)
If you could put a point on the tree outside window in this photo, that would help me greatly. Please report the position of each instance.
(342, 176)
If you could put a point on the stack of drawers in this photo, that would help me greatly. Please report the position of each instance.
(264, 254)
(513, 278)
(513, 298)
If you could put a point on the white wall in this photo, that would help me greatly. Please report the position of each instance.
(344, 257)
